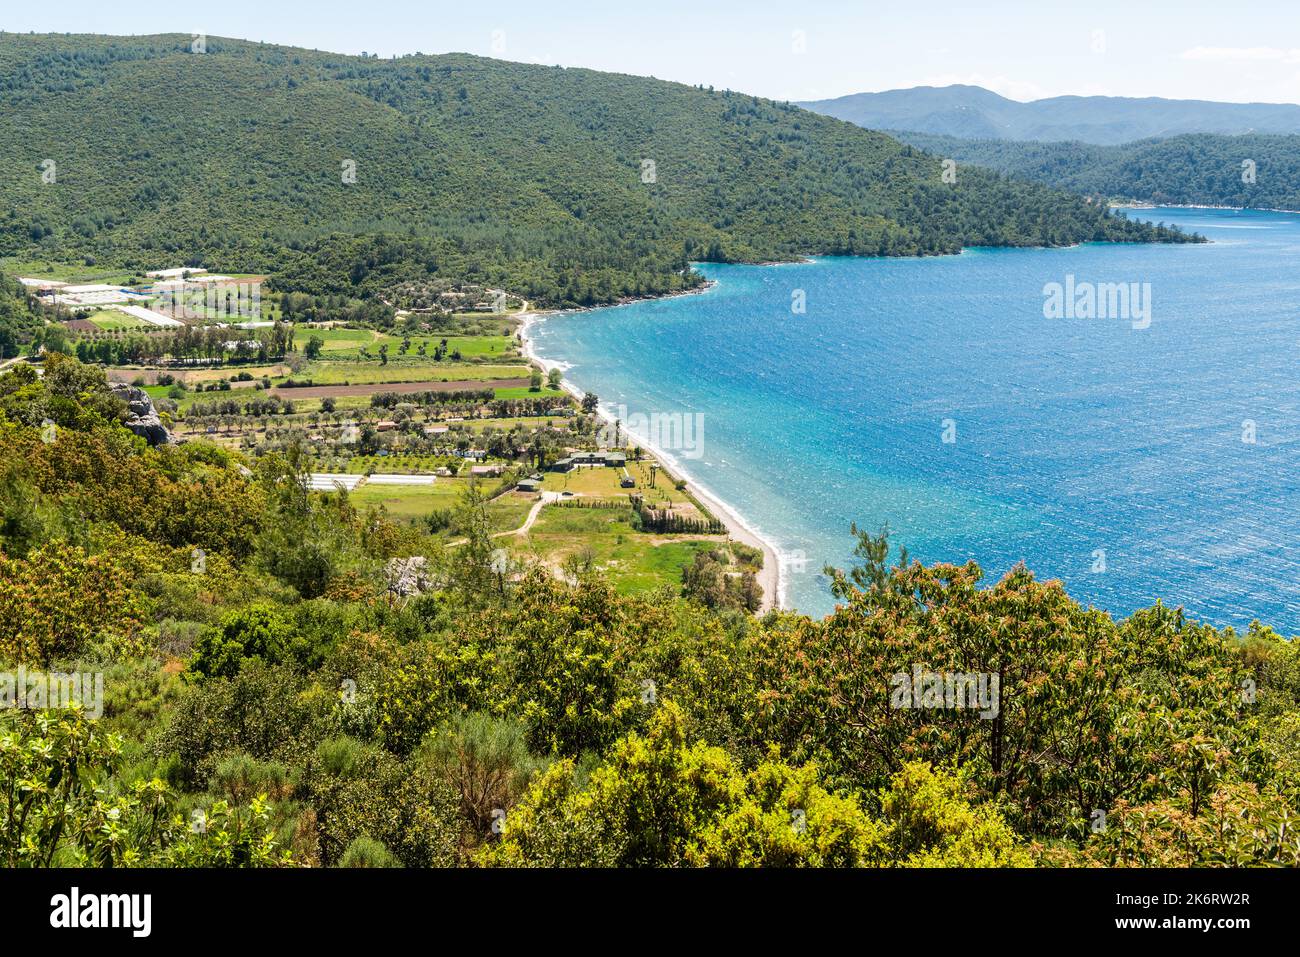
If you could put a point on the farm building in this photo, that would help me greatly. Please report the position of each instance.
(95, 295)
(614, 460)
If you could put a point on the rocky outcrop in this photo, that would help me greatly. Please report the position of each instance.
(142, 418)
(408, 576)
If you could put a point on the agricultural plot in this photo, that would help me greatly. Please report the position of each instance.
(321, 391)
(468, 347)
(110, 320)
(323, 372)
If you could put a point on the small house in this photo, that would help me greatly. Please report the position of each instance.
(595, 459)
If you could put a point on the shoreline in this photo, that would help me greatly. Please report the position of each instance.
(1234, 209)
(770, 578)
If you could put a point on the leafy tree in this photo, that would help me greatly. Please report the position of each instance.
(302, 542)
(263, 711)
(58, 813)
(487, 762)
(258, 631)
(933, 824)
(1235, 826)
(59, 600)
(365, 795)
(1086, 712)
(658, 800)
(711, 583)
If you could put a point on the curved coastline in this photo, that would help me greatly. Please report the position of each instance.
(772, 577)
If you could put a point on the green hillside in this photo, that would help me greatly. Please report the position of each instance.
(1199, 169)
(505, 174)
(18, 321)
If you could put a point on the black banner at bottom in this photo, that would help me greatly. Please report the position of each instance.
(367, 906)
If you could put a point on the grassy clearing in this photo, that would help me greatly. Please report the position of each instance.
(597, 482)
(508, 511)
(334, 339)
(412, 503)
(225, 372)
(524, 392)
(633, 561)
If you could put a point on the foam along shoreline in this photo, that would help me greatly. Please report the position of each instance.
(771, 578)
(1231, 209)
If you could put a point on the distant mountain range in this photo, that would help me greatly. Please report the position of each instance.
(972, 112)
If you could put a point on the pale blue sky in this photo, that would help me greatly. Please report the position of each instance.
(1204, 49)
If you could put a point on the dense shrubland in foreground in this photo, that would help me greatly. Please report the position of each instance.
(272, 704)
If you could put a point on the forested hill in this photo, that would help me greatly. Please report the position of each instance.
(17, 319)
(529, 177)
(1261, 172)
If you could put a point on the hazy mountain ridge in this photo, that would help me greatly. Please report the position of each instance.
(976, 113)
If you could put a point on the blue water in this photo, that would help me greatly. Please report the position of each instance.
(1072, 436)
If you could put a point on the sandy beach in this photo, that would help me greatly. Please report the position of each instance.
(770, 578)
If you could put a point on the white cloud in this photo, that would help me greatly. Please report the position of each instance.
(1242, 53)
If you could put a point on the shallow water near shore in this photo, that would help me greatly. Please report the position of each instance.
(1114, 457)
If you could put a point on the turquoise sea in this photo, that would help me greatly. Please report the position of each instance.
(1133, 463)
